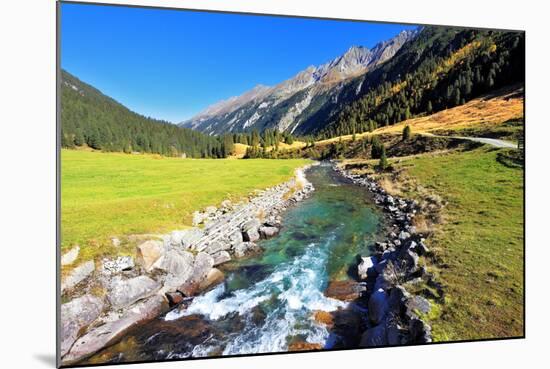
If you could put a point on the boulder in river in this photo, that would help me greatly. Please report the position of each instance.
(124, 292)
(148, 253)
(213, 277)
(77, 275)
(76, 315)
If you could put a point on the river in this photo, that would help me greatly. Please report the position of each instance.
(269, 301)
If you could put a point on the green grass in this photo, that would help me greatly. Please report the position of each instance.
(110, 194)
(479, 246)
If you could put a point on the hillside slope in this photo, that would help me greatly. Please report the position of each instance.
(90, 118)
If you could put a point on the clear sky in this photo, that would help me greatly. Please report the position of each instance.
(171, 64)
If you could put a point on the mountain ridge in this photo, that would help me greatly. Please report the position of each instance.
(224, 116)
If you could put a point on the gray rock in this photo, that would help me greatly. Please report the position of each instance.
(235, 237)
(418, 304)
(214, 247)
(375, 336)
(202, 265)
(421, 249)
(76, 315)
(210, 210)
(108, 333)
(118, 265)
(244, 249)
(378, 306)
(190, 237)
(70, 257)
(397, 299)
(411, 258)
(198, 218)
(250, 230)
(77, 275)
(148, 253)
(268, 232)
(178, 265)
(221, 257)
(226, 204)
(123, 292)
(404, 235)
(394, 334)
(419, 332)
(366, 267)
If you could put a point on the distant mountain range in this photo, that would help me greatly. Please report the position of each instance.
(416, 72)
(287, 105)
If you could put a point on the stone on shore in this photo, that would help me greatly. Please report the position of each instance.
(190, 237)
(120, 264)
(268, 232)
(75, 316)
(378, 306)
(202, 265)
(244, 249)
(375, 336)
(178, 265)
(213, 277)
(221, 257)
(250, 230)
(108, 333)
(77, 275)
(124, 292)
(366, 267)
(214, 247)
(70, 257)
(148, 253)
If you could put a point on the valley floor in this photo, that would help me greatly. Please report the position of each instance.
(106, 195)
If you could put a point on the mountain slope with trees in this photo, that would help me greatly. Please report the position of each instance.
(90, 118)
(440, 69)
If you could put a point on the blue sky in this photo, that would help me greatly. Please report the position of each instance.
(172, 64)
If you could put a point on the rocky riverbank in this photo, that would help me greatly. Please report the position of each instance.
(106, 301)
(394, 315)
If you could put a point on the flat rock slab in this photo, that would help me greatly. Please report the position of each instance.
(107, 334)
(77, 275)
(75, 315)
(124, 292)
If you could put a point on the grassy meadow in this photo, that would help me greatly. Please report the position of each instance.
(106, 195)
(479, 245)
